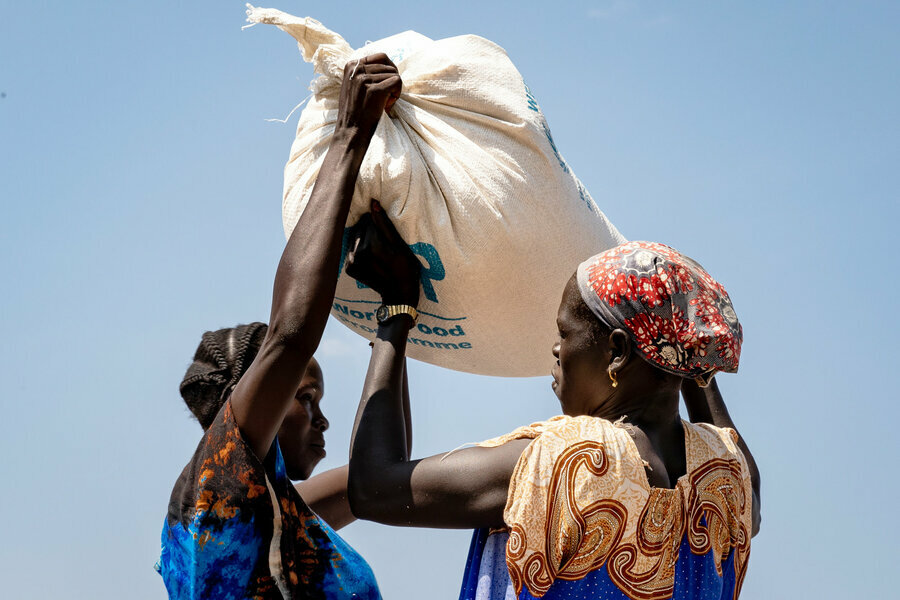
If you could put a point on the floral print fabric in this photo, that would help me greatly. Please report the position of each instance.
(234, 532)
(680, 318)
(583, 521)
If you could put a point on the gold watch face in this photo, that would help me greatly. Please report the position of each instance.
(381, 313)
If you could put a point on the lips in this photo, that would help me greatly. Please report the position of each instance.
(318, 446)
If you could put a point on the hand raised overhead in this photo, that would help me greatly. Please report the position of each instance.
(371, 85)
(382, 260)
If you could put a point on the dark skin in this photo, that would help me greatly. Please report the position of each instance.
(468, 488)
(280, 392)
(302, 432)
(647, 399)
(706, 405)
(385, 485)
(301, 438)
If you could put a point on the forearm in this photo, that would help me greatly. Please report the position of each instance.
(407, 415)
(308, 271)
(301, 301)
(461, 489)
(379, 439)
(706, 405)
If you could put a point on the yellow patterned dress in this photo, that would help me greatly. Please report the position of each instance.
(583, 521)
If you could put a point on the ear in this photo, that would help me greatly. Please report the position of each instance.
(620, 347)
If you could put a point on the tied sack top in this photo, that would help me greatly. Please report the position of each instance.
(583, 521)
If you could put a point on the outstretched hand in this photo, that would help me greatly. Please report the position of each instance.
(371, 85)
(379, 258)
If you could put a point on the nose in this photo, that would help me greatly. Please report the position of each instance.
(320, 422)
(556, 350)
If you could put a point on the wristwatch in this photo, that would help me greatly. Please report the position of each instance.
(386, 312)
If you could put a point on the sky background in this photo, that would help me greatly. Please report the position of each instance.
(141, 194)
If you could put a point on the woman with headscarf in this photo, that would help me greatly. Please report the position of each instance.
(617, 498)
(236, 526)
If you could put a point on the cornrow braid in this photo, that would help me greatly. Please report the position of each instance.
(220, 361)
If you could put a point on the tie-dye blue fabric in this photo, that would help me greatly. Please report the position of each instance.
(217, 539)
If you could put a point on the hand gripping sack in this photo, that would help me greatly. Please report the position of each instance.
(466, 169)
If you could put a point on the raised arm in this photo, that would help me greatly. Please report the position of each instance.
(465, 489)
(308, 270)
(706, 405)
(326, 493)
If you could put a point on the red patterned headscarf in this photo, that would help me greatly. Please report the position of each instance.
(680, 318)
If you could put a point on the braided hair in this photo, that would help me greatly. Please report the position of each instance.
(221, 359)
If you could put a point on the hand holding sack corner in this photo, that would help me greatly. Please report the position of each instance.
(466, 169)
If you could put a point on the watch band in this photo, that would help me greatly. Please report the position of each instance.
(386, 312)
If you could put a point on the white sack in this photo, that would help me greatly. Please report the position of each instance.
(466, 169)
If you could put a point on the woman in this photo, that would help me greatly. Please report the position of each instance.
(617, 498)
(236, 527)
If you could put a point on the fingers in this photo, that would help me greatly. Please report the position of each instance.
(387, 83)
(374, 63)
(371, 85)
(382, 260)
(356, 241)
(378, 78)
(391, 101)
(385, 227)
(378, 59)
(352, 70)
(391, 86)
(359, 256)
(378, 68)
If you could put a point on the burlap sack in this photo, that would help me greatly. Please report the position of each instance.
(467, 170)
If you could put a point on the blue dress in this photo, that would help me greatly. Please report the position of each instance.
(583, 521)
(233, 532)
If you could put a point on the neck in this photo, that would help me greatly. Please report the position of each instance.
(646, 409)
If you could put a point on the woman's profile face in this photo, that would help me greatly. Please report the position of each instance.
(302, 433)
(579, 376)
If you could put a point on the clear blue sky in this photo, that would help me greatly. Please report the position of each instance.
(141, 193)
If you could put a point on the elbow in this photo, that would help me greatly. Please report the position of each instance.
(290, 337)
(361, 504)
(362, 490)
(364, 498)
(757, 516)
(372, 497)
(757, 521)
(356, 495)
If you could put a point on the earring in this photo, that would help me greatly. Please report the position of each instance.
(612, 377)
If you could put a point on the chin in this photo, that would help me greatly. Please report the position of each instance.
(569, 410)
(300, 474)
(561, 396)
(571, 413)
(562, 407)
